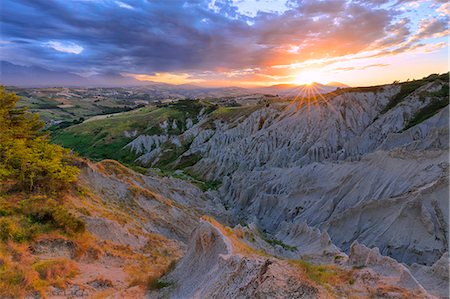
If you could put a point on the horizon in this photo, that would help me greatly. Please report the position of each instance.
(209, 43)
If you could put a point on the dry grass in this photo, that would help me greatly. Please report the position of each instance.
(385, 291)
(112, 167)
(161, 255)
(237, 245)
(55, 271)
(325, 274)
(21, 274)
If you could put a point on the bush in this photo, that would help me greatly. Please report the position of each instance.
(55, 270)
(26, 218)
(44, 211)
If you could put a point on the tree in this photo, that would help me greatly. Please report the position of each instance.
(26, 156)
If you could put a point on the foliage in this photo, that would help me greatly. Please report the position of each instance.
(160, 284)
(105, 138)
(274, 242)
(187, 161)
(26, 157)
(54, 270)
(435, 105)
(33, 174)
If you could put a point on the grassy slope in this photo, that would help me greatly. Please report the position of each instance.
(439, 100)
(406, 88)
(75, 103)
(105, 138)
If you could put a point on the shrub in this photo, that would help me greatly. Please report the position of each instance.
(53, 271)
(10, 229)
(43, 210)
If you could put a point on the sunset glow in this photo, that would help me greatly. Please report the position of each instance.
(308, 78)
(224, 43)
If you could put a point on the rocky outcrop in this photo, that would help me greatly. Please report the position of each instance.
(163, 205)
(218, 265)
(361, 256)
(434, 278)
(213, 269)
(342, 127)
(379, 201)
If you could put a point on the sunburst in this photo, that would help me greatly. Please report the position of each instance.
(310, 96)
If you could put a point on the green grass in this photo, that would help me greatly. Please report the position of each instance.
(409, 87)
(95, 145)
(429, 110)
(275, 242)
(229, 114)
(105, 139)
(187, 161)
(160, 284)
(169, 154)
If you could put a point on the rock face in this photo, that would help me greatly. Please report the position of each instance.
(218, 265)
(396, 201)
(342, 127)
(165, 206)
(354, 170)
(361, 256)
(346, 165)
(434, 278)
(212, 269)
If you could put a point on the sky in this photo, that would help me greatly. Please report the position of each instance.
(230, 42)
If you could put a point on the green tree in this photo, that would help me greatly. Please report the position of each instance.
(26, 156)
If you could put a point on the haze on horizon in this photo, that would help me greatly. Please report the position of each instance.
(229, 42)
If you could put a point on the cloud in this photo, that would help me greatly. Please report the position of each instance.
(359, 68)
(171, 78)
(444, 9)
(201, 36)
(123, 5)
(65, 47)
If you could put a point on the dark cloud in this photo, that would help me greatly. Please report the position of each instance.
(191, 36)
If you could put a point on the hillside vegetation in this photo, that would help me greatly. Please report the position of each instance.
(105, 138)
(33, 175)
(59, 237)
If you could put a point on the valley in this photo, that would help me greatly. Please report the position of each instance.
(339, 194)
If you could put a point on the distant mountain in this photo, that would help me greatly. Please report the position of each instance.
(337, 84)
(34, 76)
(294, 90)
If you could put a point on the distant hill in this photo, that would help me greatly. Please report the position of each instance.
(34, 76)
(293, 89)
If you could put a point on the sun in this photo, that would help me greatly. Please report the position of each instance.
(307, 78)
